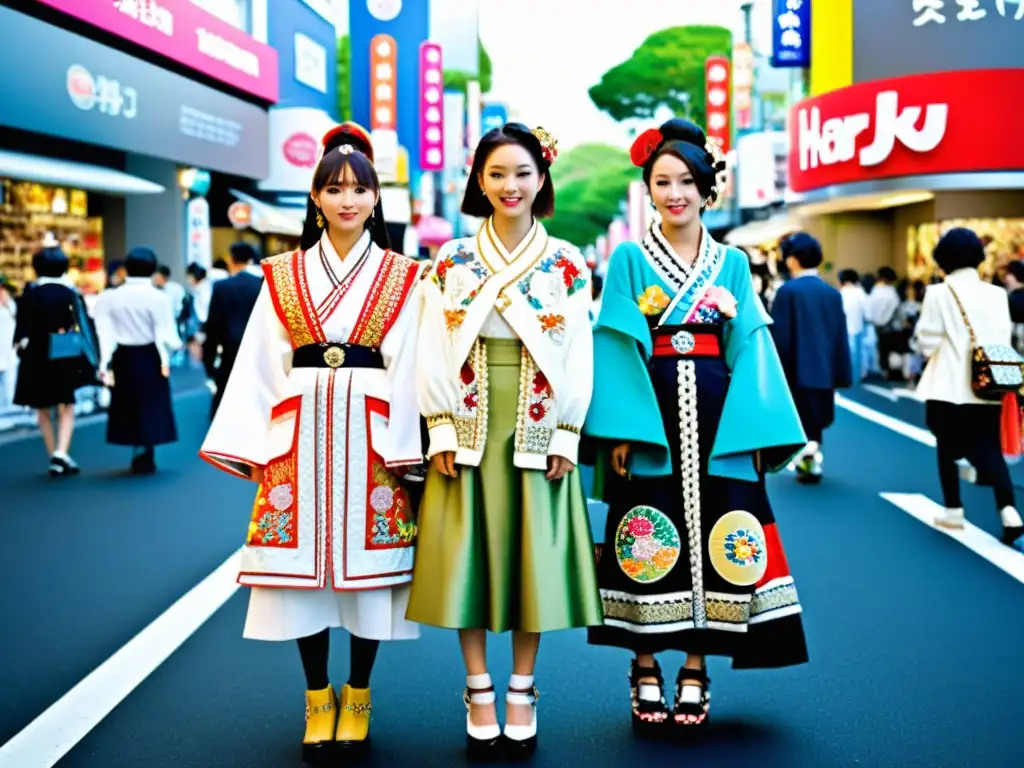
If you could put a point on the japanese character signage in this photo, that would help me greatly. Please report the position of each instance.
(743, 84)
(383, 83)
(911, 37)
(909, 126)
(717, 71)
(791, 33)
(431, 108)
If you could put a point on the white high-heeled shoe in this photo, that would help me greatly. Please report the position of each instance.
(521, 740)
(481, 740)
(951, 517)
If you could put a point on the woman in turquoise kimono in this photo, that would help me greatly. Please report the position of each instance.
(690, 410)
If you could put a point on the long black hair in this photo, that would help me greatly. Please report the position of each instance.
(687, 142)
(331, 170)
(475, 202)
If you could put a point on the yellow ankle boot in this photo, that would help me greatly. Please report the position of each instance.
(354, 722)
(321, 716)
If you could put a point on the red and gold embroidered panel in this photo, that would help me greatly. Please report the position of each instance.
(289, 290)
(274, 520)
(391, 287)
(390, 520)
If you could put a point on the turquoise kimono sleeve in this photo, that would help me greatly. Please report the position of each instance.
(623, 408)
(759, 413)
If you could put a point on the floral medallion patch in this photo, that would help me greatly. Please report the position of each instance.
(647, 545)
(737, 548)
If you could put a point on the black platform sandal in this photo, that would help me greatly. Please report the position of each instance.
(693, 698)
(648, 716)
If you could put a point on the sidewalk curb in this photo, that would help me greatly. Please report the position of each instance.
(17, 434)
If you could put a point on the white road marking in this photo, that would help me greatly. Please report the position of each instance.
(922, 436)
(924, 509)
(892, 394)
(56, 731)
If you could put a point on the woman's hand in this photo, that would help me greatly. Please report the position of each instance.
(165, 371)
(107, 378)
(620, 459)
(558, 467)
(445, 463)
(724, 301)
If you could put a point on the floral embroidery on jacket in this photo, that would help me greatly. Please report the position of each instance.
(536, 419)
(553, 325)
(453, 318)
(555, 278)
(392, 523)
(461, 257)
(273, 526)
(653, 301)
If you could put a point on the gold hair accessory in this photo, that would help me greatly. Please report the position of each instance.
(548, 144)
(346, 149)
(718, 162)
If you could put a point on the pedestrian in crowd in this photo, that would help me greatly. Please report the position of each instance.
(231, 305)
(8, 360)
(693, 406)
(200, 288)
(116, 274)
(219, 271)
(180, 304)
(597, 286)
(1013, 280)
(907, 316)
(306, 412)
(855, 308)
(965, 426)
(505, 369)
(48, 375)
(811, 333)
(137, 338)
(883, 301)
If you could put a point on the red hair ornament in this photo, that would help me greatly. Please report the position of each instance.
(352, 129)
(646, 144)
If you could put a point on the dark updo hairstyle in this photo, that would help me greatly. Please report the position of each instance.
(331, 171)
(140, 262)
(475, 202)
(50, 262)
(687, 142)
(959, 248)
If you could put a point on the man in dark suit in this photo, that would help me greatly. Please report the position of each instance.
(231, 304)
(810, 333)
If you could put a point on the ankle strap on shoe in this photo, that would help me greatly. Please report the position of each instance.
(479, 690)
(692, 676)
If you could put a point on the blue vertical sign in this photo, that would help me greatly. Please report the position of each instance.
(791, 34)
(409, 24)
(493, 115)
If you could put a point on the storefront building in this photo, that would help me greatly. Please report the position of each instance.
(909, 131)
(113, 107)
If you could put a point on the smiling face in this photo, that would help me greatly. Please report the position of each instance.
(345, 201)
(510, 181)
(674, 191)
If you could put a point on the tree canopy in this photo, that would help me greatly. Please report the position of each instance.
(344, 87)
(666, 70)
(455, 79)
(590, 183)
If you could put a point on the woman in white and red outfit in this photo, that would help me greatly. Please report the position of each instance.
(319, 410)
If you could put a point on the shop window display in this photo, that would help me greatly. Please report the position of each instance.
(1003, 239)
(28, 212)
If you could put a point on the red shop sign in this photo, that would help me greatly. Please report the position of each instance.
(718, 104)
(948, 122)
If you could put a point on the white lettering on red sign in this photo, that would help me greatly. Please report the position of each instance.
(149, 12)
(835, 140)
(216, 47)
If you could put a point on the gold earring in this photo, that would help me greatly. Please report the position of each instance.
(319, 218)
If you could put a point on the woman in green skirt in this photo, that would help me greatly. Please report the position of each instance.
(505, 373)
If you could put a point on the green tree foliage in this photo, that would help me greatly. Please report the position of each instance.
(667, 69)
(344, 84)
(590, 182)
(455, 79)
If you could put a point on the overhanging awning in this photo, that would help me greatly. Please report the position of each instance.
(65, 173)
(270, 219)
(765, 232)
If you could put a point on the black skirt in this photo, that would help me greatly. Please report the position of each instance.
(44, 383)
(694, 562)
(141, 413)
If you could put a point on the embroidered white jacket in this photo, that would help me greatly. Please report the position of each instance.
(542, 290)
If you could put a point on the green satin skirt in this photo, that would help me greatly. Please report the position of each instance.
(502, 548)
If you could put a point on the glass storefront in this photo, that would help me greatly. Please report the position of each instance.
(1003, 238)
(29, 211)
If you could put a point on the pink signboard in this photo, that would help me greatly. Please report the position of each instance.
(186, 34)
(431, 108)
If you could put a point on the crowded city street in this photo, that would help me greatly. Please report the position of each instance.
(121, 627)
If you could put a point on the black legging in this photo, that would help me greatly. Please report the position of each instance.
(314, 651)
(971, 432)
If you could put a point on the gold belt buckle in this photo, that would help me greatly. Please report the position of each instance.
(334, 357)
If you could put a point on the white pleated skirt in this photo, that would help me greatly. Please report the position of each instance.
(277, 614)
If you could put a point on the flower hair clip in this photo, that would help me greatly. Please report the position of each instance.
(548, 144)
(646, 144)
(346, 149)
